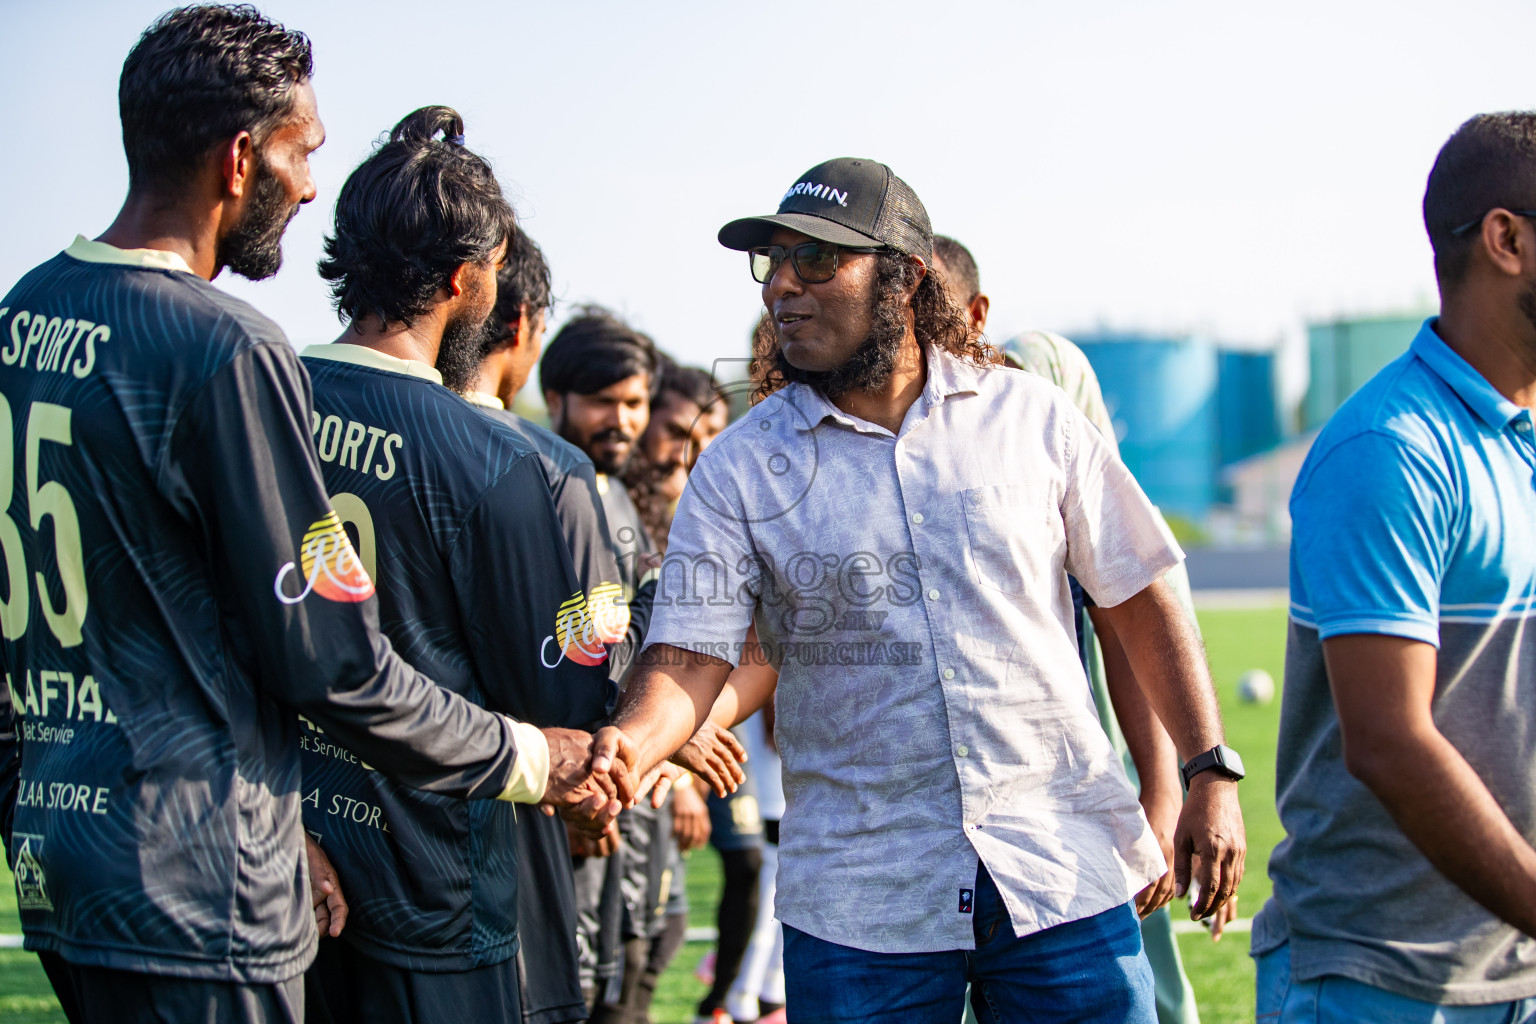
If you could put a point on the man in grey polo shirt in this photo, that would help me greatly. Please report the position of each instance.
(1405, 889)
(897, 515)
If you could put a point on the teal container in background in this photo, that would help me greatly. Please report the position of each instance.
(1343, 354)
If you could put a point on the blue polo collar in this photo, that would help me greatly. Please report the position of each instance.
(1472, 387)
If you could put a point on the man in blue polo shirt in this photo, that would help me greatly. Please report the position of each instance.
(1406, 887)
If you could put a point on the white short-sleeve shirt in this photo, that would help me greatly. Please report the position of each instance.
(932, 708)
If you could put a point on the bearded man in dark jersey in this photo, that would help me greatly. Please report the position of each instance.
(178, 582)
(550, 956)
(551, 966)
(598, 376)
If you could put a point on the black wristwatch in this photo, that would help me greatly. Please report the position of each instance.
(1221, 758)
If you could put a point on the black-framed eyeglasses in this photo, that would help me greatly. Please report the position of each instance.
(815, 262)
(1478, 220)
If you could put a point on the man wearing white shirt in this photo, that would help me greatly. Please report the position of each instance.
(898, 515)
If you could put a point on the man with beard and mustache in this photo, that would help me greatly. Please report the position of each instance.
(898, 516)
(178, 583)
(599, 376)
(687, 413)
(454, 519)
(1405, 888)
(550, 966)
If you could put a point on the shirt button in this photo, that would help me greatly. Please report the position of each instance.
(963, 750)
(949, 673)
(917, 518)
(933, 595)
(1524, 426)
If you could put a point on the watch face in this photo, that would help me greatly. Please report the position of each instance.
(1230, 760)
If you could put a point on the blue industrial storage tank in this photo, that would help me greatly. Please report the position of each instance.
(1248, 404)
(1161, 394)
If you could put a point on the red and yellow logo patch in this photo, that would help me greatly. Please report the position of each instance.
(330, 566)
(586, 623)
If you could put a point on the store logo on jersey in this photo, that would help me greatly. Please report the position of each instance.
(31, 883)
(586, 624)
(331, 567)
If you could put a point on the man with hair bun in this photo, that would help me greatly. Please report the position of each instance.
(455, 520)
(179, 582)
(1405, 888)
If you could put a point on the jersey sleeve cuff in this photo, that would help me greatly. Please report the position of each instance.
(1425, 631)
(530, 772)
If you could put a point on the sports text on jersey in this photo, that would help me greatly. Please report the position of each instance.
(331, 567)
(827, 192)
(343, 444)
(53, 340)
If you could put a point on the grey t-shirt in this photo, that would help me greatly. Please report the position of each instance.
(1413, 518)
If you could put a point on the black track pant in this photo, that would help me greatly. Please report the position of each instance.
(736, 920)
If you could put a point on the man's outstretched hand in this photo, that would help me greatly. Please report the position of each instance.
(1210, 831)
(715, 756)
(324, 890)
(583, 793)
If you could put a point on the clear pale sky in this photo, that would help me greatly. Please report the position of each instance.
(1215, 167)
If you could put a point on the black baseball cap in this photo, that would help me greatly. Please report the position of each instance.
(846, 202)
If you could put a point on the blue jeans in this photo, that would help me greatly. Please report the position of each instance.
(1338, 1000)
(1088, 970)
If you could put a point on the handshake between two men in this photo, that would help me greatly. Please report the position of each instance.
(593, 776)
(590, 780)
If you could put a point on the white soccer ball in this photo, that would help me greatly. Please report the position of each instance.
(1256, 687)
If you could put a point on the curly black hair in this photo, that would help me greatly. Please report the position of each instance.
(410, 215)
(199, 76)
(522, 286)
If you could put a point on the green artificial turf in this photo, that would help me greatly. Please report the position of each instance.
(1236, 640)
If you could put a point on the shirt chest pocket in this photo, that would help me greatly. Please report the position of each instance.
(1015, 540)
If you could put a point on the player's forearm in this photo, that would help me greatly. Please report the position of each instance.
(1168, 661)
(414, 731)
(669, 696)
(1150, 746)
(748, 688)
(1446, 810)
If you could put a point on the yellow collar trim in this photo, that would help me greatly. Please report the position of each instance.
(484, 398)
(362, 355)
(87, 251)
